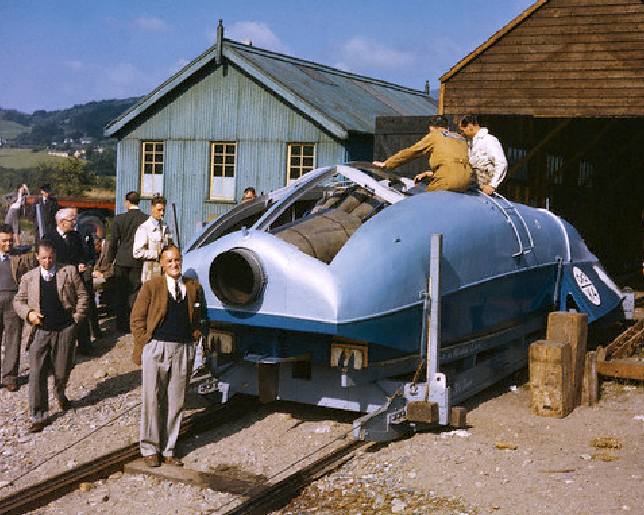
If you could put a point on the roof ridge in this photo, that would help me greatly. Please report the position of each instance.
(323, 67)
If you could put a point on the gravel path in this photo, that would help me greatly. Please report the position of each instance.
(507, 461)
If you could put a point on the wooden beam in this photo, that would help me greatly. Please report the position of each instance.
(621, 369)
(539, 146)
(441, 98)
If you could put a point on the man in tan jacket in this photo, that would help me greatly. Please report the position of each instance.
(53, 301)
(165, 322)
(449, 165)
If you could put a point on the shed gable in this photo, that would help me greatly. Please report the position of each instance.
(562, 58)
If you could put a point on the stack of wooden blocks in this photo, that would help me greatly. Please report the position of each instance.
(561, 372)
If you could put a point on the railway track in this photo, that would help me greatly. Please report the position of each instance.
(278, 495)
(44, 492)
(254, 501)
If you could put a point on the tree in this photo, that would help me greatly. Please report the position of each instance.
(69, 177)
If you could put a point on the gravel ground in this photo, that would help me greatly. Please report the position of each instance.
(543, 465)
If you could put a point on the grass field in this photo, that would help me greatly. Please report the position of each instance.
(18, 158)
(10, 130)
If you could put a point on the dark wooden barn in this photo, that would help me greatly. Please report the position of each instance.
(562, 86)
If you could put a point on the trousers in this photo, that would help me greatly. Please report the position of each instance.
(49, 349)
(11, 325)
(127, 283)
(166, 371)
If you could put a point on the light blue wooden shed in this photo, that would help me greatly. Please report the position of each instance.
(238, 116)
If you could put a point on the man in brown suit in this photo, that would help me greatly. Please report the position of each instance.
(165, 322)
(53, 301)
(12, 268)
(449, 165)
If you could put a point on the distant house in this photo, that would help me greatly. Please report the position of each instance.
(85, 141)
(58, 153)
(240, 116)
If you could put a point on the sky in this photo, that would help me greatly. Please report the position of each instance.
(58, 53)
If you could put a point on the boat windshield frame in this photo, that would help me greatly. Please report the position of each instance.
(312, 179)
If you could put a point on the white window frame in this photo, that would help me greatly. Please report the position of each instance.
(226, 191)
(302, 168)
(145, 152)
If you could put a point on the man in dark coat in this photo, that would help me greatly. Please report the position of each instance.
(127, 269)
(71, 250)
(48, 208)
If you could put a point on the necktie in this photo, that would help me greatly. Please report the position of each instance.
(177, 292)
(5, 257)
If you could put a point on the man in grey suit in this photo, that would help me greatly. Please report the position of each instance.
(12, 268)
(127, 269)
(53, 301)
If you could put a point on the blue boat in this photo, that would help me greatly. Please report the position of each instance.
(326, 281)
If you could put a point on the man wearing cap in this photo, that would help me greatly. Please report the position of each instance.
(48, 207)
(12, 268)
(53, 301)
(449, 167)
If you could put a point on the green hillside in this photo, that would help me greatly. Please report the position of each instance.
(43, 127)
(18, 158)
(9, 129)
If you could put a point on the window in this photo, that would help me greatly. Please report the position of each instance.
(554, 165)
(586, 170)
(223, 157)
(152, 168)
(301, 159)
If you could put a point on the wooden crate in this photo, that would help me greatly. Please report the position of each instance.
(551, 379)
(571, 328)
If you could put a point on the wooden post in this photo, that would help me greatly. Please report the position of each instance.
(550, 379)
(590, 384)
(571, 328)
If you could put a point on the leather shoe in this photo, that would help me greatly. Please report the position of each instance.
(171, 460)
(37, 427)
(12, 387)
(63, 402)
(152, 460)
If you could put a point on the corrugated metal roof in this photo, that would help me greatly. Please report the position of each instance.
(339, 101)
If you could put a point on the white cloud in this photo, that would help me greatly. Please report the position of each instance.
(257, 32)
(361, 54)
(73, 65)
(151, 24)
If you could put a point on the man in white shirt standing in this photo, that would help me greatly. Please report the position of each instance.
(487, 158)
(150, 238)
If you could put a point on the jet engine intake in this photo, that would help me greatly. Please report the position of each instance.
(237, 277)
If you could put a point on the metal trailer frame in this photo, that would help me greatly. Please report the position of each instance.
(371, 390)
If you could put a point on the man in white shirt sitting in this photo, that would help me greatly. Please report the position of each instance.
(487, 158)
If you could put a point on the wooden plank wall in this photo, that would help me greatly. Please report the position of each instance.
(570, 58)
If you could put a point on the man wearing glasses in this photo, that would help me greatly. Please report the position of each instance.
(70, 250)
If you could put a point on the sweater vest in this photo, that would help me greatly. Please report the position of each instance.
(55, 318)
(175, 327)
